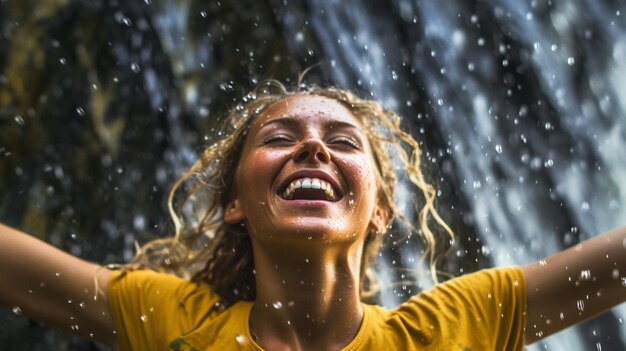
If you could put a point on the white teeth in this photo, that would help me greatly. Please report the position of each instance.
(309, 183)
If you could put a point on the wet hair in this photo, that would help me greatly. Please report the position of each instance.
(205, 249)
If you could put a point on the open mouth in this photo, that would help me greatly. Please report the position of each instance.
(309, 189)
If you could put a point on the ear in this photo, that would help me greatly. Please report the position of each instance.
(233, 212)
(379, 220)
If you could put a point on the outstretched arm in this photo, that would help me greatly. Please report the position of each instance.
(576, 284)
(53, 287)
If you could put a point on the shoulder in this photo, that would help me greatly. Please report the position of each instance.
(149, 309)
(162, 288)
(495, 280)
(478, 294)
(485, 309)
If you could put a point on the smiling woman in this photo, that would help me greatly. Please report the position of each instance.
(278, 226)
(327, 134)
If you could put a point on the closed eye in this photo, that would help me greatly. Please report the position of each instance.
(279, 138)
(346, 141)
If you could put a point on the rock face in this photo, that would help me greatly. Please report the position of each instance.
(520, 107)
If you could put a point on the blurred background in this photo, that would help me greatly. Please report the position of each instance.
(520, 107)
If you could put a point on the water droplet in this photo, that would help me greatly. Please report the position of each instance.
(571, 61)
(499, 148)
(585, 275)
(144, 318)
(394, 75)
(80, 111)
(615, 274)
(19, 120)
(135, 67)
(58, 274)
(485, 250)
(476, 184)
(17, 310)
(62, 61)
(542, 263)
(580, 305)
(277, 305)
(241, 339)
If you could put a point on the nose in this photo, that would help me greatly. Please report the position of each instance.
(311, 149)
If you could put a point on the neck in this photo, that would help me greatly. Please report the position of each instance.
(306, 301)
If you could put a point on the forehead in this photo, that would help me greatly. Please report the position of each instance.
(310, 109)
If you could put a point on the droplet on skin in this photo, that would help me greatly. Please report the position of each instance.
(580, 305)
(585, 275)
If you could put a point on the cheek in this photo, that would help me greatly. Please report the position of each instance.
(258, 163)
(256, 172)
(362, 176)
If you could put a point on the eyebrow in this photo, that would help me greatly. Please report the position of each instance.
(294, 122)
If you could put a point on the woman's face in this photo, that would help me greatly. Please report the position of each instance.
(306, 173)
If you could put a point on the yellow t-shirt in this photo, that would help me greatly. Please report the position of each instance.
(477, 312)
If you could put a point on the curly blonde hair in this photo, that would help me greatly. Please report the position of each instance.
(205, 249)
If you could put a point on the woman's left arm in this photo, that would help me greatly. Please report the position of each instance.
(575, 284)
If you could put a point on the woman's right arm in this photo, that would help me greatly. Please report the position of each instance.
(53, 287)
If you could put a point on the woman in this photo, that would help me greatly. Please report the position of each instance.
(277, 233)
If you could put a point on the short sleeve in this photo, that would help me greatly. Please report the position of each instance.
(151, 309)
(479, 311)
